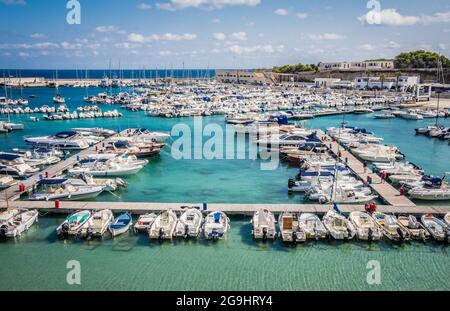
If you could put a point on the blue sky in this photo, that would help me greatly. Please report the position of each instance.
(215, 33)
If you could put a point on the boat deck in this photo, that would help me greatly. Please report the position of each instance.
(386, 191)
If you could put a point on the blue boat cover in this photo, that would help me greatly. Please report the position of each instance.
(8, 156)
(66, 134)
(52, 181)
(121, 221)
(217, 217)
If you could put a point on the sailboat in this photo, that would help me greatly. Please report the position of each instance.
(58, 99)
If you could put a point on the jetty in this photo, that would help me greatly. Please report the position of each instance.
(386, 191)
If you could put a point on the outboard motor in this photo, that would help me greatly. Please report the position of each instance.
(3, 231)
(400, 233)
(89, 233)
(65, 229)
(264, 234)
(294, 237)
(291, 183)
(186, 231)
(160, 234)
(370, 235)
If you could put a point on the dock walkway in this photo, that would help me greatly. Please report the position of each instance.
(386, 191)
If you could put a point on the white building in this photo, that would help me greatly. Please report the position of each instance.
(357, 66)
(325, 82)
(240, 76)
(387, 83)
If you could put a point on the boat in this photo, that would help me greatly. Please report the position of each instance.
(386, 115)
(72, 225)
(366, 226)
(164, 226)
(438, 229)
(97, 225)
(430, 193)
(216, 225)
(144, 222)
(121, 225)
(312, 226)
(416, 229)
(390, 227)
(67, 140)
(362, 110)
(339, 227)
(263, 222)
(447, 219)
(189, 224)
(7, 215)
(95, 131)
(107, 168)
(7, 181)
(62, 189)
(18, 224)
(290, 232)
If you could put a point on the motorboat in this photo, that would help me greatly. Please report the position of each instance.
(164, 226)
(7, 181)
(108, 184)
(339, 227)
(366, 226)
(189, 223)
(95, 131)
(430, 193)
(312, 226)
(263, 222)
(18, 224)
(72, 225)
(115, 166)
(144, 222)
(390, 227)
(62, 189)
(447, 219)
(290, 232)
(7, 215)
(416, 229)
(438, 229)
(68, 140)
(121, 224)
(124, 147)
(385, 115)
(216, 225)
(20, 171)
(98, 224)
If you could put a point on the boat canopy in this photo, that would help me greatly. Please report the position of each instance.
(8, 156)
(66, 134)
(121, 144)
(52, 181)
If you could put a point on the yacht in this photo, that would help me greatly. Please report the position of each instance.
(62, 189)
(18, 224)
(72, 225)
(68, 140)
(164, 226)
(263, 222)
(112, 166)
(366, 226)
(290, 232)
(97, 225)
(339, 227)
(216, 225)
(312, 226)
(189, 224)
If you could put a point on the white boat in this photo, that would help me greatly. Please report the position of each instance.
(386, 115)
(312, 226)
(290, 232)
(416, 229)
(339, 227)
(97, 225)
(447, 219)
(263, 222)
(72, 225)
(390, 227)
(111, 167)
(121, 224)
(144, 222)
(68, 140)
(189, 224)
(438, 229)
(18, 224)
(366, 227)
(7, 181)
(62, 189)
(216, 225)
(430, 194)
(95, 131)
(7, 215)
(164, 225)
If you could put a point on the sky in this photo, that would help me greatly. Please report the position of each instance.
(35, 34)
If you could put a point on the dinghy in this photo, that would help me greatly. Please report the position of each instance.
(121, 224)
(390, 227)
(144, 222)
(18, 224)
(312, 226)
(366, 227)
(189, 224)
(416, 229)
(339, 227)
(97, 225)
(437, 228)
(73, 223)
(164, 226)
(290, 232)
(216, 225)
(263, 222)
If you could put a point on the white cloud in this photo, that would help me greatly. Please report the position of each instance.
(24, 54)
(219, 36)
(166, 53)
(38, 45)
(13, 2)
(71, 46)
(109, 29)
(173, 5)
(443, 46)
(391, 17)
(267, 48)
(175, 37)
(393, 45)
(382, 46)
(216, 20)
(326, 36)
(38, 36)
(281, 12)
(301, 15)
(367, 47)
(140, 38)
(240, 36)
(144, 6)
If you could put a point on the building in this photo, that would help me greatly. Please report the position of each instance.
(374, 83)
(357, 66)
(240, 76)
(325, 82)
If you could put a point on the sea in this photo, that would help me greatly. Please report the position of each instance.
(38, 260)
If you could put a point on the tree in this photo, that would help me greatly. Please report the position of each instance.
(420, 59)
(382, 77)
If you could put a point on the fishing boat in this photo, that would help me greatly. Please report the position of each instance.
(263, 222)
(290, 232)
(390, 227)
(121, 225)
(72, 225)
(312, 226)
(18, 224)
(216, 225)
(189, 224)
(62, 189)
(416, 229)
(339, 227)
(144, 222)
(7, 181)
(366, 227)
(438, 229)
(97, 225)
(164, 225)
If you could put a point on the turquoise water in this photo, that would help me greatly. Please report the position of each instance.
(37, 261)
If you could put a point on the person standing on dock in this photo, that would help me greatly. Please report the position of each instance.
(365, 166)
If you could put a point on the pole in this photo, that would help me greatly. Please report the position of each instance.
(437, 109)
